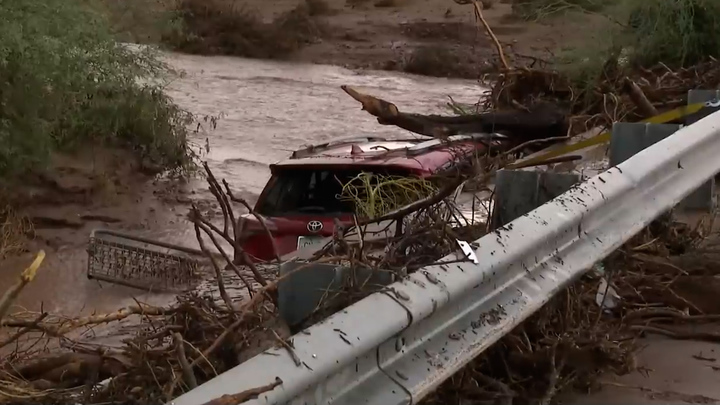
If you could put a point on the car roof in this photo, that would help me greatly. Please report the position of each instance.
(423, 155)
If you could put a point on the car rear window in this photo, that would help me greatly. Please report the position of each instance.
(296, 191)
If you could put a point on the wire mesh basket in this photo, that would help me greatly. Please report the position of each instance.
(137, 262)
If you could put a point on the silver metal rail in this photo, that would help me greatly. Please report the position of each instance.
(396, 347)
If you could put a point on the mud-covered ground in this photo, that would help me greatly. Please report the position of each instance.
(388, 34)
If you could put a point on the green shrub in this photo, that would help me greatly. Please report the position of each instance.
(674, 32)
(65, 82)
(644, 33)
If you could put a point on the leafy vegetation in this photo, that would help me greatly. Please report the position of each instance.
(643, 34)
(646, 32)
(66, 83)
(674, 32)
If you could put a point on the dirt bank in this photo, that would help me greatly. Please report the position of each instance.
(368, 36)
(430, 37)
(98, 188)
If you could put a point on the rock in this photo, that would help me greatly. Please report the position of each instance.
(183, 199)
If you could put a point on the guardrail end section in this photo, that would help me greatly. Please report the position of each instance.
(518, 192)
(629, 139)
(706, 192)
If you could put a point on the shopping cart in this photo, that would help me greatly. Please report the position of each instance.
(137, 262)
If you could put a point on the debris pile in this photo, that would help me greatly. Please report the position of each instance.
(662, 281)
(618, 96)
(649, 285)
(154, 354)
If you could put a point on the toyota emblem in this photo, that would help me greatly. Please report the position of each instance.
(314, 226)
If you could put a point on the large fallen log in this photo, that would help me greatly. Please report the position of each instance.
(538, 122)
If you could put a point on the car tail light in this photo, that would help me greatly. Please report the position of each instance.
(249, 226)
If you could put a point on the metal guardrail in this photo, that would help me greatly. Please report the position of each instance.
(396, 347)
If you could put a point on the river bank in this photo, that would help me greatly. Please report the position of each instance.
(432, 37)
(429, 37)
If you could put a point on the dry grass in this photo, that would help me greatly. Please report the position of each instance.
(375, 195)
(14, 230)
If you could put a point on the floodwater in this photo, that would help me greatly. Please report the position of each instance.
(264, 111)
(268, 109)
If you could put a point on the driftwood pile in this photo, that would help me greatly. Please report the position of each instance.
(660, 282)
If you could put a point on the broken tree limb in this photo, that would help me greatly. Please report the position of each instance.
(239, 398)
(479, 16)
(61, 327)
(537, 122)
(25, 278)
(639, 99)
(187, 371)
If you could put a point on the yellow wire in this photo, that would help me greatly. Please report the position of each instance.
(605, 136)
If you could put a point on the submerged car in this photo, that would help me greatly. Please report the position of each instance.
(300, 204)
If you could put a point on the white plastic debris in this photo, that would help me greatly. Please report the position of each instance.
(468, 251)
(606, 297)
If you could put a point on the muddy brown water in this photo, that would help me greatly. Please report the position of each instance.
(269, 109)
(266, 110)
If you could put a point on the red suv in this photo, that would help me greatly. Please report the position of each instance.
(300, 204)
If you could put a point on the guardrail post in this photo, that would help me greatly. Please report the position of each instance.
(628, 139)
(300, 293)
(518, 192)
(701, 96)
(707, 191)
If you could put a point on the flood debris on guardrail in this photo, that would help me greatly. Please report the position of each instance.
(206, 332)
(664, 281)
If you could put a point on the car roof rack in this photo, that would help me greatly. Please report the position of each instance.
(308, 150)
(434, 143)
(420, 147)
